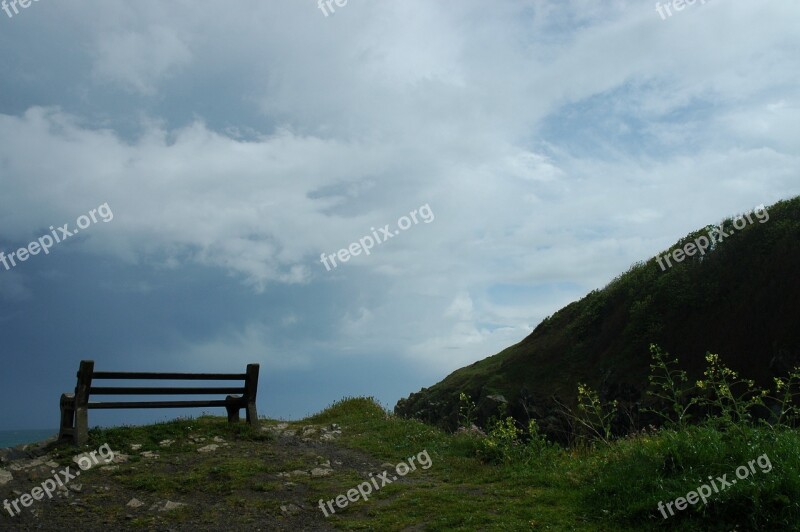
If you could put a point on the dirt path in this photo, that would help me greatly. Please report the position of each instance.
(195, 483)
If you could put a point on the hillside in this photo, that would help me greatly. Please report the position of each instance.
(739, 299)
(206, 475)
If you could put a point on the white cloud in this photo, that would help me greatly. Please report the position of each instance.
(555, 142)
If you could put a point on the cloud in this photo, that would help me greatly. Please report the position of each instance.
(557, 143)
(139, 62)
(236, 349)
(243, 206)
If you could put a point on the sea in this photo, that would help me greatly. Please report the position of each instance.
(12, 438)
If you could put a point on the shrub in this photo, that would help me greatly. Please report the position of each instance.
(668, 385)
(502, 443)
(729, 398)
(596, 417)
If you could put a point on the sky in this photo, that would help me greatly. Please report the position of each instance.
(504, 158)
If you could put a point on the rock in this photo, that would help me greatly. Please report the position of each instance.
(134, 503)
(299, 473)
(23, 465)
(120, 458)
(76, 487)
(329, 433)
(165, 506)
(290, 509)
(5, 477)
(218, 439)
(169, 506)
(289, 432)
(472, 430)
(309, 431)
(208, 448)
(109, 468)
(136, 446)
(321, 472)
(282, 426)
(166, 443)
(25, 451)
(149, 454)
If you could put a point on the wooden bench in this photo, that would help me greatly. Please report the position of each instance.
(75, 407)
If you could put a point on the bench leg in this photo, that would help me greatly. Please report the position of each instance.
(85, 373)
(67, 428)
(81, 425)
(252, 415)
(251, 390)
(235, 404)
(233, 408)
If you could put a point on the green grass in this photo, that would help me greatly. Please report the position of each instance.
(603, 487)
(458, 492)
(222, 476)
(628, 479)
(593, 487)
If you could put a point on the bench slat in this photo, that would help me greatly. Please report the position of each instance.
(162, 391)
(75, 406)
(170, 376)
(157, 404)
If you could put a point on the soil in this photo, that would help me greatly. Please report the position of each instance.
(99, 501)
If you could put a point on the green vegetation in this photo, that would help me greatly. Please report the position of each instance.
(626, 479)
(476, 482)
(602, 483)
(511, 478)
(515, 479)
(738, 299)
(220, 476)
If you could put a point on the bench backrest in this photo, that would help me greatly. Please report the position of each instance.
(75, 407)
(87, 377)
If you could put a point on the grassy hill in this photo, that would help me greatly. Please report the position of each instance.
(738, 299)
(203, 474)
